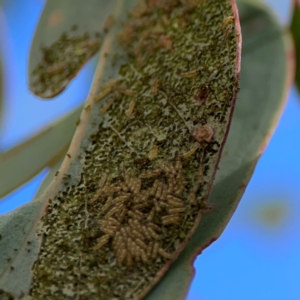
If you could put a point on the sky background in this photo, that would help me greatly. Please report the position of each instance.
(258, 255)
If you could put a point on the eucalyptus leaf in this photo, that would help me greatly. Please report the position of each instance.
(131, 133)
(19, 245)
(68, 34)
(295, 29)
(265, 80)
(27, 159)
(159, 125)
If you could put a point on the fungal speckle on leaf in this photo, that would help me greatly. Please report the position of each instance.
(149, 163)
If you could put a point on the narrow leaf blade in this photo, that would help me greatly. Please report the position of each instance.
(27, 159)
(19, 243)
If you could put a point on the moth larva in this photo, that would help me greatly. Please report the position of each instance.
(135, 233)
(127, 92)
(153, 234)
(140, 206)
(190, 73)
(150, 174)
(112, 211)
(227, 20)
(146, 233)
(109, 85)
(151, 214)
(130, 109)
(165, 254)
(121, 254)
(149, 249)
(141, 244)
(159, 190)
(102, 95)
(137, 186)
(170, 219)
(55, 69)
(154, 187)
(173, 201)
(153, 152)
(129, 259)
(155, 250)
(191, 152)
(156, 205)
(154, 226)
(108, 230)
(155, 86)
(102, 241)
(106, 206)
(135, 215)
(122, 214)
(110, 20)
(143, 255)
(178, 165)
(172, 211)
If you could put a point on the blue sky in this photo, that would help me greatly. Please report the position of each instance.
(254, 258)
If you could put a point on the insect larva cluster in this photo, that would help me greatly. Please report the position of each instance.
(134, 219)
(136, 242)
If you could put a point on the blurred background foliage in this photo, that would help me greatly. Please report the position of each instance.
(258, 255)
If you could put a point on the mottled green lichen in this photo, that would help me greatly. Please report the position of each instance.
(61, 61)
(148, 168)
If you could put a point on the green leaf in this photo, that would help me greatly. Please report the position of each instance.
(175, 79)
(265, 80)
(27, 159)
(165, 124)
(19, 248)
(19, 244)
(68, 34)
(295, 29)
